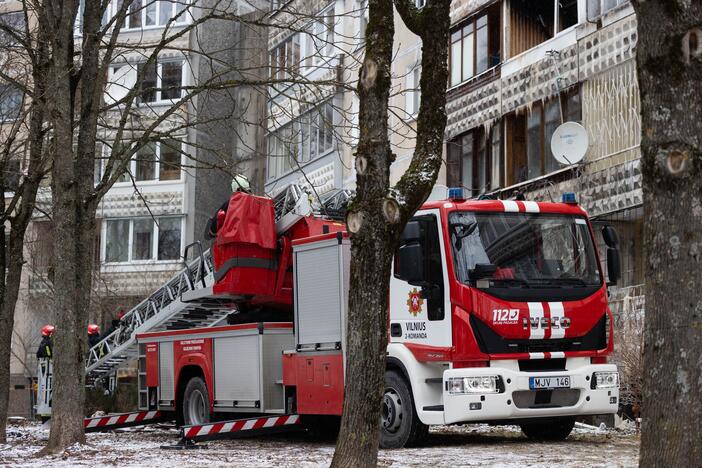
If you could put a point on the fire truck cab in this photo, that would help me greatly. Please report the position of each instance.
(498, 313)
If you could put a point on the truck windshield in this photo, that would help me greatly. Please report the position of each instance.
(523, 250)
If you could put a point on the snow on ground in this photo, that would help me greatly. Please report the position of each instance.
(454, 446)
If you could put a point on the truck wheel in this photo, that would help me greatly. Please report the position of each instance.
(399, 424)
(196, 404)
(551, 429)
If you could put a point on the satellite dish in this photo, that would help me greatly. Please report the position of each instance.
(569, 143)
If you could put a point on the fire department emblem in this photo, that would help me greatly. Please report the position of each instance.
(415, 302)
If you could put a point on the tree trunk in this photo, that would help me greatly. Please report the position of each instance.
(379, 213)
(73, 212)
(669, 61)
(372, 245)
(7, 317)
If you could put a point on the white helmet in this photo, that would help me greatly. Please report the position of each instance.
(240, 183)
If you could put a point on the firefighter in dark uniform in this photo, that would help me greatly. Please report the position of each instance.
(94, 337)
(46, 345)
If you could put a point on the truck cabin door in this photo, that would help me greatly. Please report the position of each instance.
(419, 302)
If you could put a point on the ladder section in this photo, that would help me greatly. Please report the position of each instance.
(162, 310)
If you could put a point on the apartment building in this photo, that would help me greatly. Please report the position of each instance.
(313, 125)
(173, 184)
(518, 69)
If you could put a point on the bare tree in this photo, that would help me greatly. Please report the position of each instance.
(25, 83)
(669, 62)
(379, 212)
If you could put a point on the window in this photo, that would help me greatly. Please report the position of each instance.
(16, 23)
(532, 23)
(11, 175)
(10, 103)
(145, 160)
(150, 13)
(41, 249)
(169, 239)
(169, 160)
(597, 8)
(413, 94)
(302, 140)
(433, 265)
(143, 239)
(475, 46)
(319, 41)
(161, 81)
(285, 58)
(117, 241)
(529, 153)
(474, 160)
(159, 161)
(171, 81)
(142, 244)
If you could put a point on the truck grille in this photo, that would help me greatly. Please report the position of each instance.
(556, 398)
(492, 343)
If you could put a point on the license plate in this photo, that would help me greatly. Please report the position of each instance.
(536, 383)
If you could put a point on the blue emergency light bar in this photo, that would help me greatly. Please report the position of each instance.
(569, 197)
(456, 194)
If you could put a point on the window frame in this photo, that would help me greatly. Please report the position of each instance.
(127, 27)
(474, 29)
(10, 93)
(131, 241)
(563, 101)
(478, 139)
(313, 57)
(19, 27)
(320, 128)
(283, 52)
(106, 152)
(157, 89)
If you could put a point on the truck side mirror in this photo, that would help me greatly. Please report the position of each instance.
(409, 264)
(412, 233)
(610, 236)
(614, 267)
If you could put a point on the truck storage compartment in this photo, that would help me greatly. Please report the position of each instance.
(321, 274)
(244, 252)
(248, 369)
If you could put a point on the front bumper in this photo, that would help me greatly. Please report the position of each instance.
(518, 401)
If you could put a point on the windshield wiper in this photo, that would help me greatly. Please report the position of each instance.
(520, 281)
(577, 281)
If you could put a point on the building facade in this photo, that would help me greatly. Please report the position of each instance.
(316, 48)
(174, 183)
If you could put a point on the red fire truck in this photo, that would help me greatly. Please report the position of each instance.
(498, 313)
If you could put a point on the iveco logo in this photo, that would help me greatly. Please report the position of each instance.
(545, 322)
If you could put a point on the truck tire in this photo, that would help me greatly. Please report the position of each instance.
(399, 424)
(551, 429)
(196, 403)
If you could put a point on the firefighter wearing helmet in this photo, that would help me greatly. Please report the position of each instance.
(46, 345)
(93, 335)
(239, 184)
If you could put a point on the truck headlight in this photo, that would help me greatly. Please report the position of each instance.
(608, 379)
(482, 384)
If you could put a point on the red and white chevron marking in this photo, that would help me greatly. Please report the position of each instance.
(228, 427)
(519, 206)
(109, 421)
